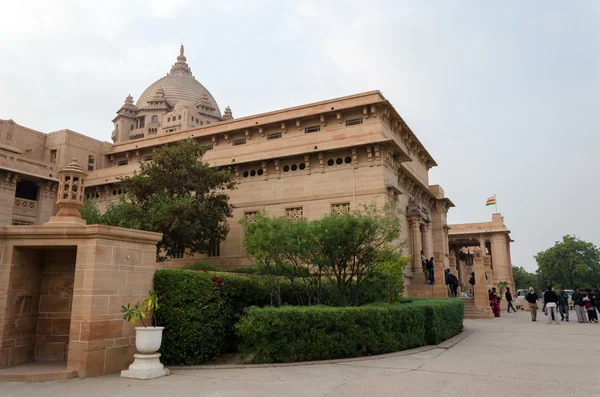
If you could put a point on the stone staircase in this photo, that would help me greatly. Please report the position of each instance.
(475, 313)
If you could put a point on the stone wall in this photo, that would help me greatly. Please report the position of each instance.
(56, 298)
(19, 304)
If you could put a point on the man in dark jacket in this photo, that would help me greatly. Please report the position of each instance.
(551, 302)
(563, 305)
(532, 299)
(509, 300)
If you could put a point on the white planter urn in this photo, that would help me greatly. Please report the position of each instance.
(146, 364)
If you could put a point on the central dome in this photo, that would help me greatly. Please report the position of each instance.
(181, 87)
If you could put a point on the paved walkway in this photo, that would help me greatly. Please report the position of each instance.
(508, 356)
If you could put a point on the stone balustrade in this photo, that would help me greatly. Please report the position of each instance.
(25, 207)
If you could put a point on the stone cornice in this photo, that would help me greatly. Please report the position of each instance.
(277, 117)
(57, 232)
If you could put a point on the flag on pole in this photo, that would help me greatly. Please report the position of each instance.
(491, 201)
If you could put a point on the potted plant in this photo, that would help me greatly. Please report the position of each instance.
(147, 338)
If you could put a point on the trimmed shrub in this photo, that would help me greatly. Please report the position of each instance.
(196, 317)
(291, 334)
(199, 314)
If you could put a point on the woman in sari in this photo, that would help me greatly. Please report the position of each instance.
(495, 302)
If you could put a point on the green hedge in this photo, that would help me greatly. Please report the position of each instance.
(199, 314)
(291, 334)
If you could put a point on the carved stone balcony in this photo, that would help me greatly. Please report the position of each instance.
(25, 207)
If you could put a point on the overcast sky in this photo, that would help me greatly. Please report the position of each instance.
(504, 95)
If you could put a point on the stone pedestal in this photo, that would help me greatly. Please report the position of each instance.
(145, 366)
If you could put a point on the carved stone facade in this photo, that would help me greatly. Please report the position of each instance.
(307, 161)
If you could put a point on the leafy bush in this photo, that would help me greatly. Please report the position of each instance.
(198, 317)
(291, 334)
(345, 249)
(202, 266)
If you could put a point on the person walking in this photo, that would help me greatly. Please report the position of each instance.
(563, 305)
(532, 299)
(579, 306)
(472, 282)
(551, 301)
(495, 302)
(509, 300)
(454, 284)
(590, 305)
(447, 279)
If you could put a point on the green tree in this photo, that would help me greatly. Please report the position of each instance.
(570, 263)
(524, 279)
(343, 249)
(177, 195)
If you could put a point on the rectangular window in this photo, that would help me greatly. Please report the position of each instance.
(214, 250)
(179, 118)
(314, 128)
(197, 122)
(241, 141)
(26, 190)
(353, 122)
(18, 222)
(178, 254)
(168, 119)
(122, 162)
(341, 208)
(148, 158)
(250, 216)
(275, 135)
(53, 154)
(207, 147)
(294, 213)
(131, 129)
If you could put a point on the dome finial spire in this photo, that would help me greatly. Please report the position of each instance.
(181, 50)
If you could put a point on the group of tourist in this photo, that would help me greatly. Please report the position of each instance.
(555, 303)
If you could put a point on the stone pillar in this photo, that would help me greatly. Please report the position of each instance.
(47, 201)
(108, 274)
(487, 264)
(8, 186)
(425, 238)
(452, 265)
(415, 239)
(501, 260)
(439, 288)
(480, 293)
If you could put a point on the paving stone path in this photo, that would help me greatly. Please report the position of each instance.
(508, 356)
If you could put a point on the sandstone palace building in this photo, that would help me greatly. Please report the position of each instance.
(306, 161)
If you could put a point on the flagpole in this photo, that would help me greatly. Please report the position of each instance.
(496, 203)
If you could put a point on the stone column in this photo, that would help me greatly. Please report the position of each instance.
(487, 264)
(453, 264)
(480, 293)
(425, 239)
(501, 261)
(47, 201)
(415, 239)
(8, 186)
